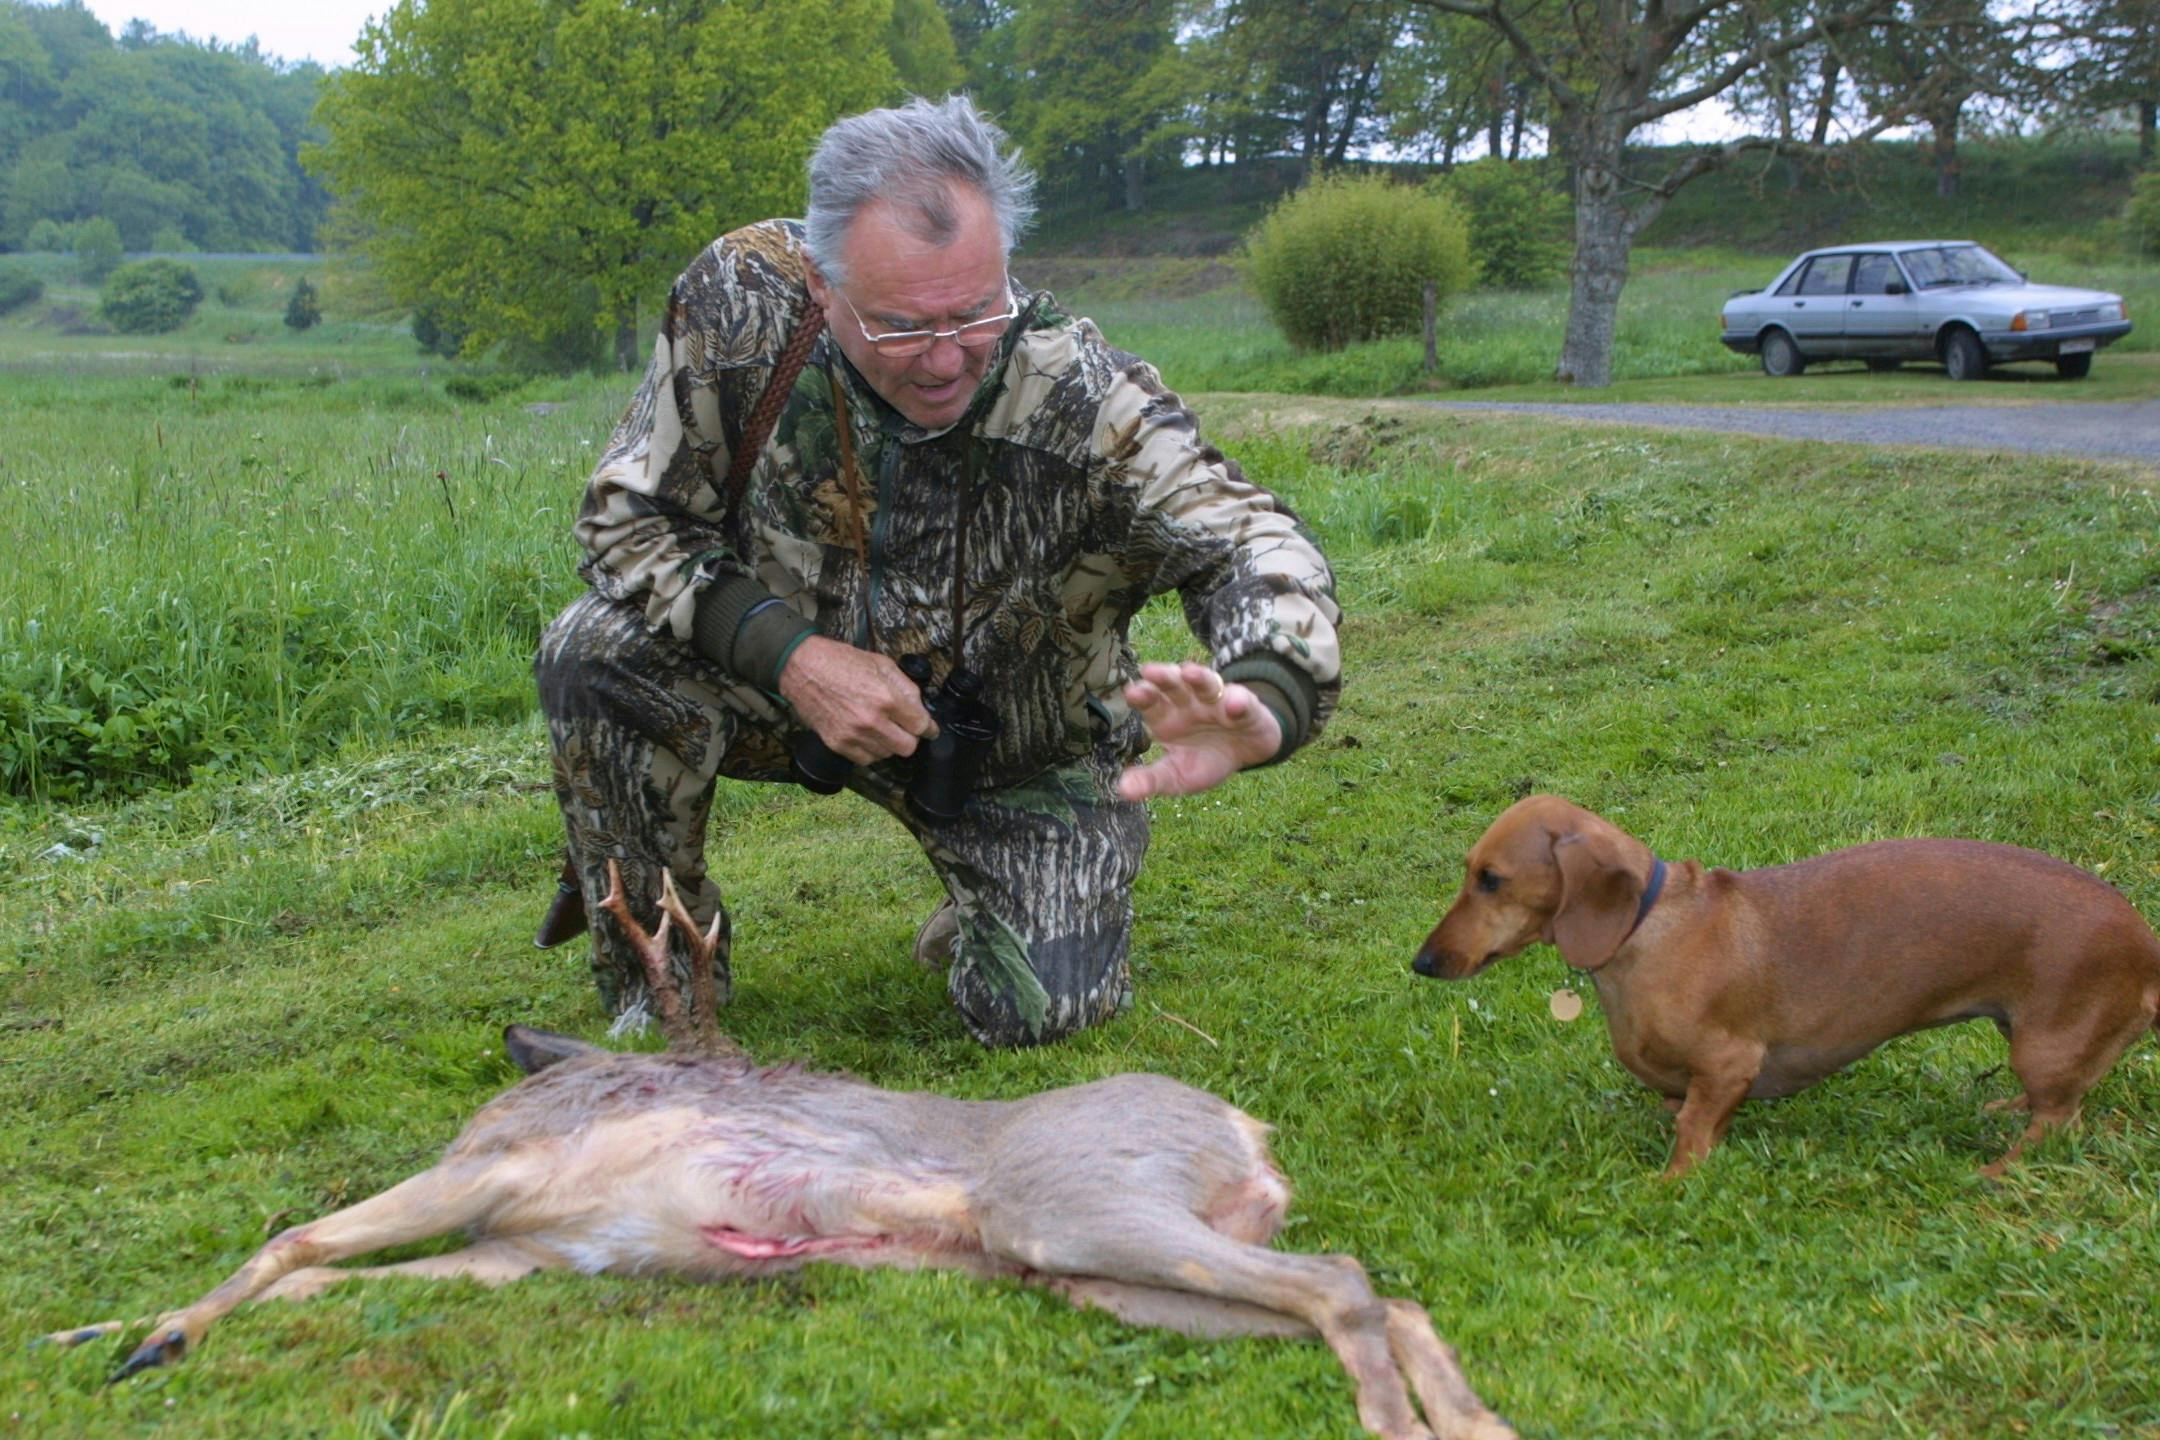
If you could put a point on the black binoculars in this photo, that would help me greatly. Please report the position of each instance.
(945, 765)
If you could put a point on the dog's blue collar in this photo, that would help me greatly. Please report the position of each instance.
(1650, 891)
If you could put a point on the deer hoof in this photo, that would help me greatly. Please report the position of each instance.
(158, 1350)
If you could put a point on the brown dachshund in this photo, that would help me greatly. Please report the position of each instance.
(1719, 985)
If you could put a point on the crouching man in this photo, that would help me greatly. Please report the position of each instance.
(912, 577)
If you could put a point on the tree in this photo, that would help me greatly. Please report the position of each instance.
(2103, 55)
(1449, 81)
(1935, 59)
(1099, 83)
(1302, 75)
(1609, 67)
(921, 46)
(150, 297)
(150, 131)
(97, 247)
(304, 310)
(511, 163)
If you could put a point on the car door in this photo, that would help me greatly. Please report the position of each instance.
(1882, 317)
(1817, 319)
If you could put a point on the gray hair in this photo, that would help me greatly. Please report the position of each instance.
(909, 157)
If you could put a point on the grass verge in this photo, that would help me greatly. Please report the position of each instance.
(256, 999)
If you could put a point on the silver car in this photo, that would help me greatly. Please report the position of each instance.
(1945, 300)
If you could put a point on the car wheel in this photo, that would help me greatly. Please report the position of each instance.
(1963, 357)
(2074, 367)
(1880, 366)
(1780, 357)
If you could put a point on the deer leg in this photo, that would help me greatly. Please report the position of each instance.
(449, 1197)
(1178, 1310)
(491, 1263)
(1436, 1374)
(1166, 1249)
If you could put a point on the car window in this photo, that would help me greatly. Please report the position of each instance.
(1872, 275)
(1791, 285)
(1826, 275)
(1957, 265)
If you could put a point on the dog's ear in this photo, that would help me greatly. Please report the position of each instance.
(1598, 896)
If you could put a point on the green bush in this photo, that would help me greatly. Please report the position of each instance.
(480, 387)
(18, 287)
(436, 333)
(150, 297)
(46, 238)
(2141, 216)
(169, 240)
(97, 247)
(304, 310)
(1519, 224)
(1347, 258)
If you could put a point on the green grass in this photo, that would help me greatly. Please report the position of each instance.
(253, 552)
(2056, 194)
(249, 1001)
(2061, 193)
(1222, 339)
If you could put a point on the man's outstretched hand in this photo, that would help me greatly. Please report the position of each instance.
(1208, 730)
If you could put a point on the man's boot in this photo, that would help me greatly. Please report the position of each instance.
(938, 941)
(565, 919)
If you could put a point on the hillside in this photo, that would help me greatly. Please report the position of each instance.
(2023, 193)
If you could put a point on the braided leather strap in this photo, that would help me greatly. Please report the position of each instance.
(766, 413)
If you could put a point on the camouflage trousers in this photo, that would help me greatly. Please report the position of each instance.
(1041, 873)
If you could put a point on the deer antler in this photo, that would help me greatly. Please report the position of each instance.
(696, 1029)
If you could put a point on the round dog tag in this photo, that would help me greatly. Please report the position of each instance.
(1565, 1005)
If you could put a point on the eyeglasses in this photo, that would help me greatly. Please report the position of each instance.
(901, 344)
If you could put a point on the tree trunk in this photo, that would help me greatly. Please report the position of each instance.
(1603, 231)
(626, 356)
(2148, 124)
(1826, 100)
(1944, 124)
(1135, 176)
(1521, 94)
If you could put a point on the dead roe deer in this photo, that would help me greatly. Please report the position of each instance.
(1136, 1194)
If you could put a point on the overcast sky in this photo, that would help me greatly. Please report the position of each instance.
(318, 30)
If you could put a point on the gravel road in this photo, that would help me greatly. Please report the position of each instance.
(2128, 429)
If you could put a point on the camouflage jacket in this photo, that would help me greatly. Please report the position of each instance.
(1087, 490)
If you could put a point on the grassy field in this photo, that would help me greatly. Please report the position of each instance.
(1221, 338)
(247, 1001)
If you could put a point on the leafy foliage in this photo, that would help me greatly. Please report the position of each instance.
(18, 287)
(1347, 258)
(150, 297)
(46, 237)
(1518, 221)
(97, 248)
(2141, 216)
(920, 43)
(153, 132)
(1106, 85)
(524, 169)
(304, 310)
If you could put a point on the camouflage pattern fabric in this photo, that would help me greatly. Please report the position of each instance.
(1041, 872)
(1085, 489)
